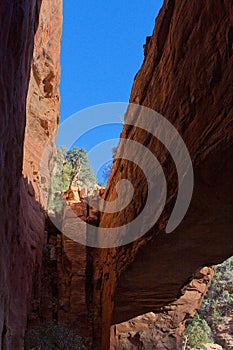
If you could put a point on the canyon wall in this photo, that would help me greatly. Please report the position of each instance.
(22, 217)
(42, 118)
(187, 77)
(163, 330)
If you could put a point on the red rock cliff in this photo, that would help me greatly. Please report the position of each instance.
(187, 77)
(22, 219)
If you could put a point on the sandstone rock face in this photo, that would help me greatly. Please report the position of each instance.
(72, 195)
(16, 53)
(43, 103)
(210, 346)
(72, 278)
(22, 220)
(163, 330)
(187, 77)
(43, 100)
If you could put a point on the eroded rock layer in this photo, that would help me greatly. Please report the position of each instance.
(22, 219)
(187, 77)
(42, 118)
(163, 330)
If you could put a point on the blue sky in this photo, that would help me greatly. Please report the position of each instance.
(102, 50)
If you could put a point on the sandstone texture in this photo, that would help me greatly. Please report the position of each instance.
(210, 346)
(162, 330)
(72, 278)
(187, 77)
(43, 99)
(42, 118)
(22, 218)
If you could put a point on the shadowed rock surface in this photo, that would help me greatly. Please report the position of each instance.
(43, 103)
(187, 77)
(162, 330)
(22, 219)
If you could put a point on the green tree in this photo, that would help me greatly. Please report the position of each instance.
(198, 332)
(71, 168)
(59, 180)
(218, 302)
(81, 173)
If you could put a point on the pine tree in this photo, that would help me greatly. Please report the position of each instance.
(71, 168)
(81, 174)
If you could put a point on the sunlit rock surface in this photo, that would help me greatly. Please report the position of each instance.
(187, 77)
(22, 219)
